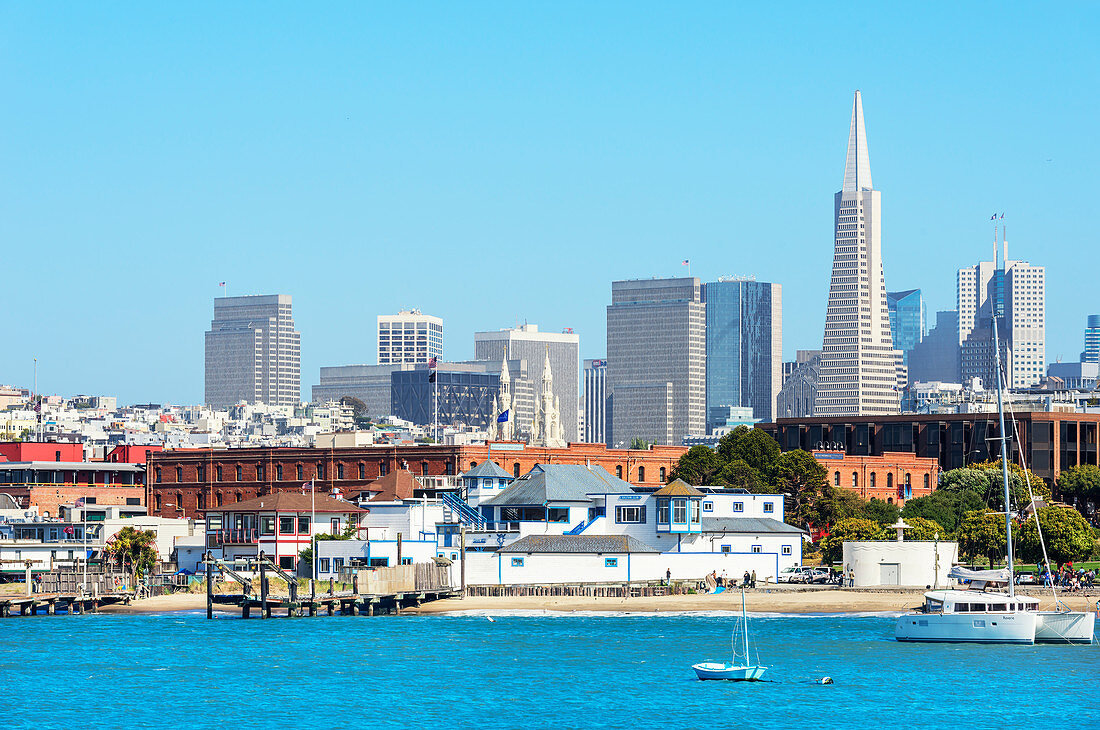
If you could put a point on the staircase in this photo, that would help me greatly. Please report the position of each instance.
(582, 526)
(456, 510)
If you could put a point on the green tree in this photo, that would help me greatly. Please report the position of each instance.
(923, 529)
(833, 504)
(699, 466)
(850, 530)
(135, 548)
(884, 513)
(1068, 537)
(639, 443)
(801, 480)
(728, 443)
(1018, 487)
(757, 449)
(1079, 484)
(982, 534)
(945, 507)
(739, 474)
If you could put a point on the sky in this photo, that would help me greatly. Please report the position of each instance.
(502, 163)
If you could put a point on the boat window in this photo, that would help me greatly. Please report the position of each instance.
(962, 607)
(997, 607)
(934, 606)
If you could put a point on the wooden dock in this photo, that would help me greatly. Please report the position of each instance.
(34, 604)
(374, 591)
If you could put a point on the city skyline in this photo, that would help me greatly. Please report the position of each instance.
(350, 169)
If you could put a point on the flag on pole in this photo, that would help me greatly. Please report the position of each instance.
(221, 283)
(993, 217)
(503, 417)
(431, 369)
(685, 262)
(1002, 216)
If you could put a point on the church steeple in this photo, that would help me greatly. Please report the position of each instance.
(857, 168)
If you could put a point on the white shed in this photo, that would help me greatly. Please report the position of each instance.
(909, 563)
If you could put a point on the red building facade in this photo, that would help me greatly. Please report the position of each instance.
(892, 477)
(183, 483)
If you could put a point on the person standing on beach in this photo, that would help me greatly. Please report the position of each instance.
(745, 580)
(668, 576)
(752, 583)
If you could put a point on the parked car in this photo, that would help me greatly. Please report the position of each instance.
(819, 575)
(792, 574)
(1026, 579)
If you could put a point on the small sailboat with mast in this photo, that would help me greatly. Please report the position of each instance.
(732, 670)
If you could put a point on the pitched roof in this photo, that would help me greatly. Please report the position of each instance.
(487, 469)
(559, 483)
(754, 525)
(578, 544)
(289, 502)
(678, 488)
(396, 485)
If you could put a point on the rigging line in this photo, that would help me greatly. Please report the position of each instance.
(1034, 509)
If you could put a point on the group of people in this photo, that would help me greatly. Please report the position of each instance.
(1068, 578)
(748, 580)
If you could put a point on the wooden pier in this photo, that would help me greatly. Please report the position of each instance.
(374, 591)
(34, 604)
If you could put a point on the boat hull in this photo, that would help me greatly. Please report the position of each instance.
(1064, 627)
(980, 628)
(715, 670)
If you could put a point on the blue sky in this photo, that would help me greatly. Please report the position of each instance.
(495, 163)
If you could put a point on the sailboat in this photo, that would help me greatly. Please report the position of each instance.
(989, 616)
(732, 670)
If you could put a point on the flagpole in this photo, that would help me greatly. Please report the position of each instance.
(313, 536)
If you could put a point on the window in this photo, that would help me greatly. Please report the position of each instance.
(756, 548)
(769, 506)
(641, 473)
(179, 473)
(362, 470)
(156, 474)
(286, 562)
(406, 561)
(890, 481)
(379, 562)
(694, 509)
(786, 550)
(927, 481)
(557, 514)
(179, 501)
(334, 524)
(286, 525)
(339, 471)
(619, 471)
(156, 501)
(237, 497)
(855, 479)
(726, 549)
(872, 480)
(218, 499)
(738, 506)
(679, 511)
(320, 470)
(201, 501)
(322, 565)
(267, 525)
(338, 564)
(278, 472)
(836, 479)
(259, 472)
(611, 562)
(218, 473)
(662, 511)
(515, 470)
(303, 525)
(517, 562)
(634, 514)
(200, 473)
(240, 473)
(298, 472)
(708, 506)
(663, 477)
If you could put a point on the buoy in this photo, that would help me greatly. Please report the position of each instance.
(826, 680)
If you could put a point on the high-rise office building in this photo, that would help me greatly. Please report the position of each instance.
(936, 358)
(409, 336)
(859, 364)
(526, 342)
(744, 346)
(595, 401)
(906, 310)
(253, 352)
(1092, 340)
(656, 361)
(1015, 293)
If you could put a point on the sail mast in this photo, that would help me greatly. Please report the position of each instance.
(745, 622)
(1004, 443)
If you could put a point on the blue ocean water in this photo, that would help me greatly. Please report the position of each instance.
(181, 670)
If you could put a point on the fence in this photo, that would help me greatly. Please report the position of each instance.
(69, 582)
(605, 590)
(420, 577)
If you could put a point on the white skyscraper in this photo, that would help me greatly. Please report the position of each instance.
(1014, 291)
(409, 337)
(858, 364)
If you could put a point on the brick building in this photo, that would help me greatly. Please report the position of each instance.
(892, 477)
(183, 483)
(48, 475)
(1052, 441)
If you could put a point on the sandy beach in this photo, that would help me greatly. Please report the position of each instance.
(771, 600)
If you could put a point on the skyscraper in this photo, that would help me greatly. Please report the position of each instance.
(744, 345)
(1015, 293)
(656, 360)
(1092, 340)
(409, 337)
(906, 310)
(526, 342)
(858, 365)
(936, 358)
(595, 401)
(253, 352)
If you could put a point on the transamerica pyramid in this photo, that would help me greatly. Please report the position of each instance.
(858, 364)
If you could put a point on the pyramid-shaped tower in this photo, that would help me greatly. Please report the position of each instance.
(859, 373)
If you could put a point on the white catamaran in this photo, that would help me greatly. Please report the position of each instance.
(989, 616)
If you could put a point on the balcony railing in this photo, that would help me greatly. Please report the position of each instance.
(244, 536)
